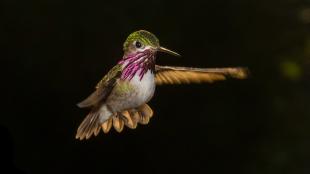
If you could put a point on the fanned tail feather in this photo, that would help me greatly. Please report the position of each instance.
(145, 113)
(129, 118)
(101, 118)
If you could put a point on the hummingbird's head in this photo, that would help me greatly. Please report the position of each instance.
(140, 41)
(140, 50)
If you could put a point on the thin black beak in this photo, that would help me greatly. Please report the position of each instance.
(165, 50)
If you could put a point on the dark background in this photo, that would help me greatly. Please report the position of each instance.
(53, 52)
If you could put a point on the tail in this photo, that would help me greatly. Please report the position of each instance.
(103, 118)
(129, 118)
(92, 123)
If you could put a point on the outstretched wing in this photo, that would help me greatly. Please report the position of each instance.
(103, 88)
(180, 75)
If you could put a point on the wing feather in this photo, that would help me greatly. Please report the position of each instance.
(103, 88)
(180, 75)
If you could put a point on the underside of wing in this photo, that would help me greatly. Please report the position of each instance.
(181, 75)
(103, 88)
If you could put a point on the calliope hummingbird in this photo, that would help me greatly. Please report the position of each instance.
(120, 98)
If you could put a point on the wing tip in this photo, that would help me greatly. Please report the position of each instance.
(82, 105)
(241, 73)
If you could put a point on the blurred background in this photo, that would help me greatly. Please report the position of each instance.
(53, 53)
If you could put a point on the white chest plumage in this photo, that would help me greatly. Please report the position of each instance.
(139, 93)
(144, 88)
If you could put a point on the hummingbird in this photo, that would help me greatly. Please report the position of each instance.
(121, 96)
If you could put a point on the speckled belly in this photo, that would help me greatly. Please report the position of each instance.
(131, 94)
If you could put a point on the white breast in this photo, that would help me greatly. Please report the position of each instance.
(145, 88)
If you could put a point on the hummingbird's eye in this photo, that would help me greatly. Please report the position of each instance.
(138, 44)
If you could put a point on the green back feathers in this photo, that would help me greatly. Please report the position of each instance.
(103, 88)
(142, 36)
(112, 74)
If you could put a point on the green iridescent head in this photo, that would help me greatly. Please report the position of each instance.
(142, 40)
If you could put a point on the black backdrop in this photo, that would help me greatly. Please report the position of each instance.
(54, 52)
